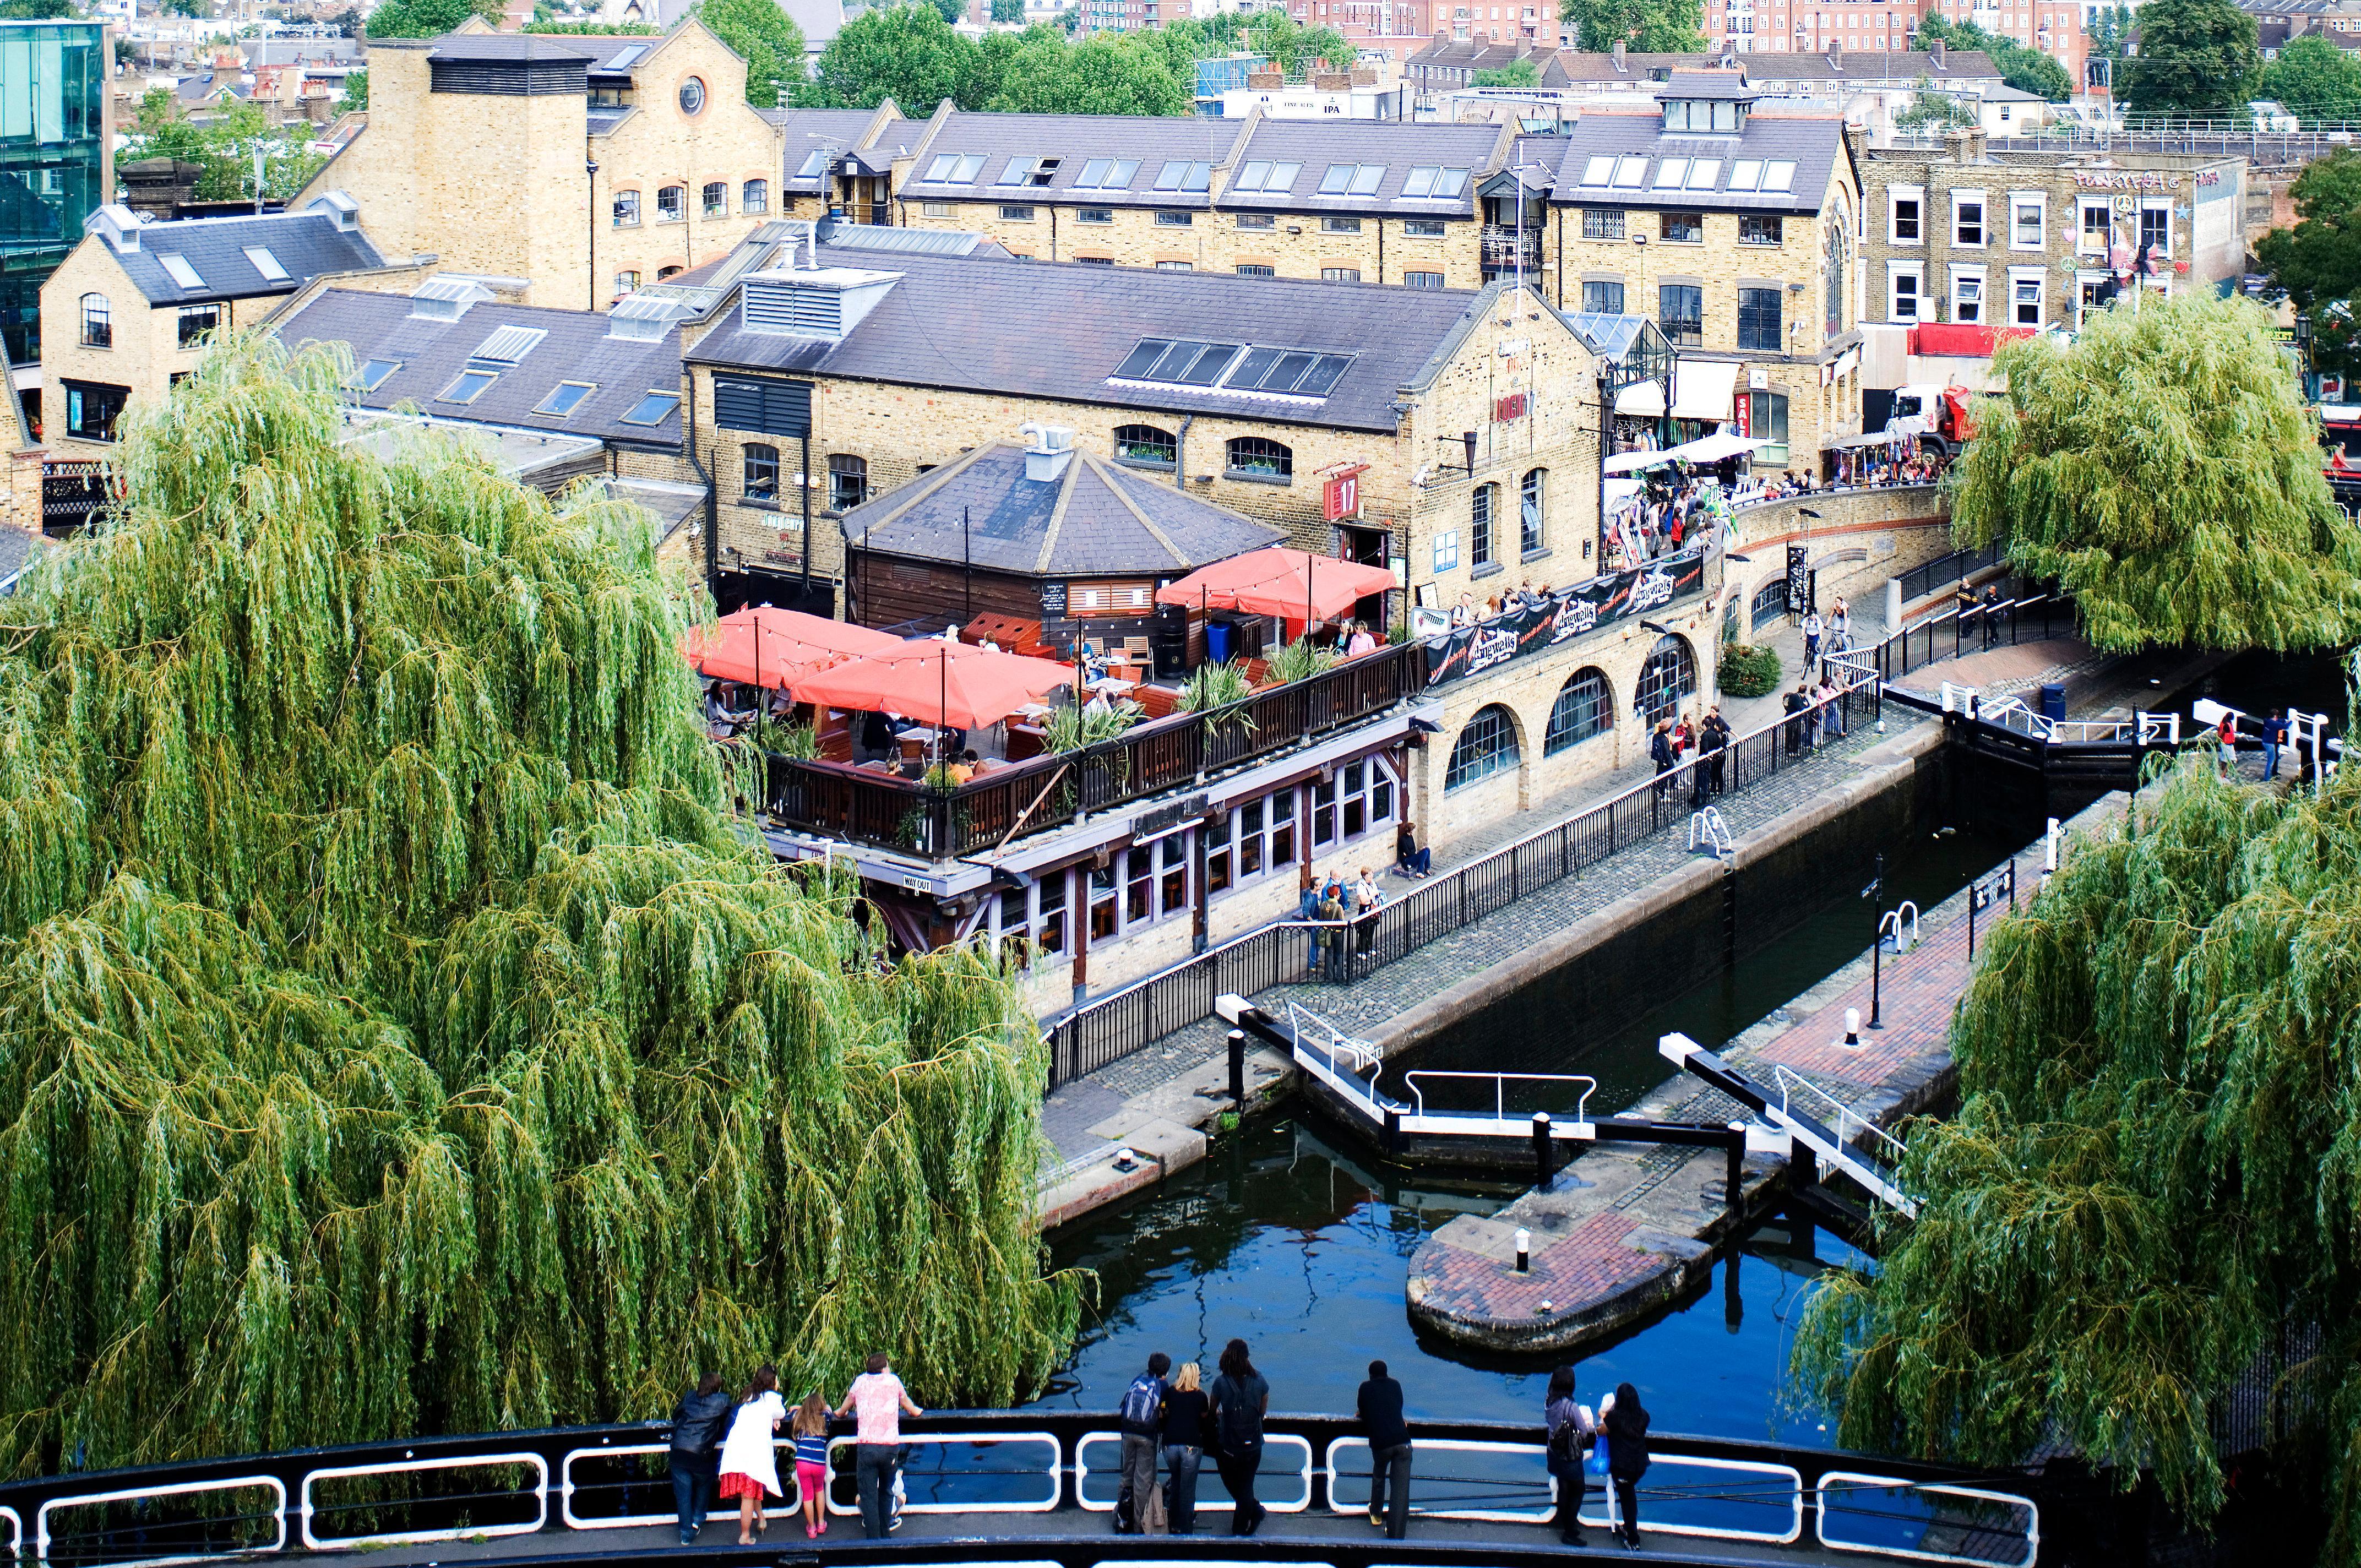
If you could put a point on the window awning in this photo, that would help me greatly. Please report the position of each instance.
(1701, 389)
(1641, 399)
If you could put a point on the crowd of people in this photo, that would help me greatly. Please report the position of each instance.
(726, 1448)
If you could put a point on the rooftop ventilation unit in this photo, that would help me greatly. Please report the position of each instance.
(642, 319)
(339, 209)
(825, 302)
(445, 299)
(1049, 448)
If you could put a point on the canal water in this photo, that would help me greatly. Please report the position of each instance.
(1298, 1241)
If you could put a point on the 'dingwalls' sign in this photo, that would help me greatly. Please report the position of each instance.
(1563, 614)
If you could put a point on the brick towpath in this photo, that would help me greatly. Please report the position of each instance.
(1626, 1228)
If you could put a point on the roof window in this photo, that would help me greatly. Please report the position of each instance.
(373, 373)
(625, 59)
(653, 408)
(1599, 170)
(1107, 174)
(1262, 174)
(1292, 372)
(565, 398)
(182, 273)
(1434, 183)
(1746, 174)
(1629, 171)
(954, 169)
(507, 345)
(1703, 171)
(815, 164)
(1177, 363)
(1028, 171)
(467, 385)
(1181, 175)
(267, 264)
(1351, 179)
(1670, 172)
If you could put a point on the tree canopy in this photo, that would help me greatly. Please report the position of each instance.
(1651, 27)
(2026, 70)
(2196, 57)
(766, 36)
(2313, 77)
(2166, 470)
(224, 145)
(1516, 73)
(2155, 1172)
(396, 1033)
(2318, 262)
(425, 18)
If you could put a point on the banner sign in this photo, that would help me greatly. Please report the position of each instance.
(1564, 614)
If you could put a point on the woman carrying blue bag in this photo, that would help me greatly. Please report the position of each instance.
(1569, 1426)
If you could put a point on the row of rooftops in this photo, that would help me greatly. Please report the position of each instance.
(1769, 68)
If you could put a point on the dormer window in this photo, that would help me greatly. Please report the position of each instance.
(1708, 116)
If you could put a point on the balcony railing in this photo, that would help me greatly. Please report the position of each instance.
(1170, 753)
(1500, 246)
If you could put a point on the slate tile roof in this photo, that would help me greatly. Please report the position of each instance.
(306, 244)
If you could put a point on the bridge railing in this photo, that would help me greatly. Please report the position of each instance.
(513, 1495)
(1956, 632)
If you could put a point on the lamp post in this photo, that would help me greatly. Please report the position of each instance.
(590, 173)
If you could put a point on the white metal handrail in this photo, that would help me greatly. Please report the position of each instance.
(539, 1493)
(41, 1533)
(1843, 1481)
(1427, 1445)
(1206, 1504)
(1051, 1473)
(1893, 921)
(1657, 1524)
(567, 1487)
(1499, 1081)
(1793, 1084)
(1338, 1044)
(1708, 826)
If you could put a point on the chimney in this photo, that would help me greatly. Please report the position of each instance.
(1049, 448)
(1935, 49)
(158, 187)
(1332, 80)
(1619, 55)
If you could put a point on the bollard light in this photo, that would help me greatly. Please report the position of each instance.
(1524, 1246)
(1852, 1026)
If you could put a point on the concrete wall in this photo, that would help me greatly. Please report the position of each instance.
(1860, 539)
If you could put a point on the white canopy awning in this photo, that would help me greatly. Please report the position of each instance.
(1641, 399)
(1713, 448)
(1701, 389)
(1633, 462)
(1621, 490)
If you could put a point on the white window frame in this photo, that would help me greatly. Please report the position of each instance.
(1446, 550)
(2155, 204)
(1984, 224)
(1894, 196)
(1896, 271)
(2039, 278)
(2082, 210)
(2039, 202)
(1983, 296)
(2083, 278)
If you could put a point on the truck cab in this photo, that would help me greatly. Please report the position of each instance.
(1936, 416)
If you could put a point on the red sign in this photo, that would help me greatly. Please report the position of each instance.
(1508, 408)
(1341, 496)
(1745, 413)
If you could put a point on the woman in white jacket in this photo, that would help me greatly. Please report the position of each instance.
(750, 1460)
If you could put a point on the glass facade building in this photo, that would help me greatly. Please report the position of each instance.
(53, 161)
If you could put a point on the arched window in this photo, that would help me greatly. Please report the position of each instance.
(1584, 707)
(673, 271)
(715, 198)
(1483, 506)
(848, 481)
(1770, 601)
(761, 473)
(97, 323)
(1487, 746)
(1253, 457)
(1145, 446)
(1528, 509)
(1669, 675)
(754, 196)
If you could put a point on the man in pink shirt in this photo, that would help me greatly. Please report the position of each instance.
(878, 1401)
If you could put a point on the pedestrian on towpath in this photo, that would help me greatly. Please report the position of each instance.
(1240, 1400)
(695, 1456)
(878, 1401)
(1142, 1420)
(1625, 1422)
(1379, 1407)
(1661, 753)
(749, 1465)
(1570, 1428)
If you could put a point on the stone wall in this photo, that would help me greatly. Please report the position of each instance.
(1860, 539)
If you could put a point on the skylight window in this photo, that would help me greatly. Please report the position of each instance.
(507, 345)
(468, 386)
(267, 264)
(1746, 174)
(1177, 363)
(1629, 172)
(1599, 170)
(1779, 174)
(373, 373)
(653, 408)
(1107, 174)
(1264, 175)
(1294, 372)
(565, 398)
(1434, 183)
(625, 59)
(1178, 175)
(1020, 170)
(1670, 172)
(182, 273)
(1351, 179)
(1703, 171)
(955, 169)
(816, 164)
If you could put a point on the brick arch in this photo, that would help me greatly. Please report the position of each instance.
(1477, 744)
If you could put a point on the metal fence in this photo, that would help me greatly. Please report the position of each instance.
(1945, 570)
(1294, 952)
(2033, 616)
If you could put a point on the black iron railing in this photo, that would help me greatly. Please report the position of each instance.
(2028, 617)
(1945, 570)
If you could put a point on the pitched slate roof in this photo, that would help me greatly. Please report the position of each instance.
(1317, 144)
(1097, 519)
(306, 244)
(816, 131)
(1153, 140)
(1059, 330)
(431, 353)
(1863, 68)
(1813, 143)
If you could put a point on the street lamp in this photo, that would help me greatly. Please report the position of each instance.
(590, 172)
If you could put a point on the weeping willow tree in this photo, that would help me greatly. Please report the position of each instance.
(2156, 1172)
(2165, 470)
(394, 1034)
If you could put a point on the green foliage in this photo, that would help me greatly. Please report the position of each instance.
(1210, 686)
(1007, 11)
(35, 10)
(223, 144)
(767, 734)
(2155, 1169)
(395, 1034)
(356, 98)
(1747, 670)
(590, 30)
(2026, 70)
(1071, 728)
(2110, 30)
(2166, 470)
(907, 53)
(1929, 107)
(765, 37)
(1104, 74)
(1516, 73)
(2196, 57)
(426, 19)
(1301, 659)
(2318, 262)
(1650, 26)
(952, 11)
(2312, 77)
(1296, 48)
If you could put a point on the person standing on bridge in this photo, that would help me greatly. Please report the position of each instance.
(1240, 1400)
(1661, 753)
(749, 1465)
(1379, 1407)
(2275, 735)
(879, 1401)
(1570, 1429)
(697, 1451)
(810, 1426)
(1811, 638)
(1186, 1422)
(1625, 1422)
(2228, 738)
(1142, 1420)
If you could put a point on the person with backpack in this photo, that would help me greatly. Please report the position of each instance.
(697, 1451)
(1142, 1418)
(1379, 1407)
(750, 1465)
(1570, 1430)
(1240, 1399)
(1625, 1422)
(1187, 1422)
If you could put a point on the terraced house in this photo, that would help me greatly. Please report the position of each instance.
(1736, 231)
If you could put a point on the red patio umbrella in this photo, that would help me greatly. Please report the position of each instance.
(955, 685)
(767, 647)
(1295, 585)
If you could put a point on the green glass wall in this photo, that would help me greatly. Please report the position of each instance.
(52, 161)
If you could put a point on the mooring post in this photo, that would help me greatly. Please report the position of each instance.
(1734, 1183)
(1393, 1131)
(1238, 1069)
(1542, 1149)
(1524, 1242)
